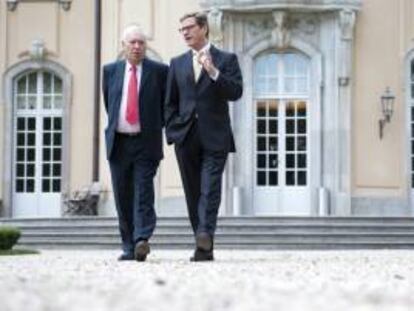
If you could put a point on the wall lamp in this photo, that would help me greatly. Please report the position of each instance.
(387, 107)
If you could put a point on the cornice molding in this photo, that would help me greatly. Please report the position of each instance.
(265, 5)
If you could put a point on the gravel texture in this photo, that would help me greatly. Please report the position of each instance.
(237, 280)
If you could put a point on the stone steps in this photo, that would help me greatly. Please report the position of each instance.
(232, 232)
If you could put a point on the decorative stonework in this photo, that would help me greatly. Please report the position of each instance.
(64, 4)
(280, 33)
(215, 22)
(346, 24)
(37, 51)
(253, 5)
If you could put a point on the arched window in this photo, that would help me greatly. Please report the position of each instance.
(281, 99)
(37, 143)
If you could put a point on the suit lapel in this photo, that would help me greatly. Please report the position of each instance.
(119, 83)
(144, 75)
(188, 68)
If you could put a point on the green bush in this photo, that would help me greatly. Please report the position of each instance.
(8, 237)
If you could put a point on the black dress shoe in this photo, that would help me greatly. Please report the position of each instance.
(204, 241)
(200, 255)
(141, 251)
(126, 256)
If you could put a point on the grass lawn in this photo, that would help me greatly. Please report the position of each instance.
(18, 251)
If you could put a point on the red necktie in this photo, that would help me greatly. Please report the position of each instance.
(132, 111)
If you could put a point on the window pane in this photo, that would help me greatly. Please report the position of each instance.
(21, 102)
(302, 178)
(46, 154)
(289, 85)
(261, 178)
(20, 139)
(47, 83)
(30, 154)
(57, 141)
(301, 143)
(32, 102)
(272, 126)
(47, 124)
(56, 185)
(273, 178)
(20, 170)
(21, 124)
(261, 161)
(33, 83)
(58, 102)
(301, 126)
(290, 178)
(261, 126)
(261, 143)
(273, 144)
(30, 185)
(31, 124)
(45, 170)
(290, 143)
(21, 86)
(290, 126)
(31, 139)
(290, 160)
(57, 124)
(301, 109)
(47, 102)
(261, 109)
(46, 139)
(290, 109)
(56, 170)
(30, 170)
(301, 160)
(45, 185)
(58, 85)
(19, 185)
(56, 154)
(273, 161)
(20, 154)
(273, 108)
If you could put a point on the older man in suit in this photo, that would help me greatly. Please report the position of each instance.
(200, 84)
(134, 91)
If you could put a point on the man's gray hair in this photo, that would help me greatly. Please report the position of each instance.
(133, 28)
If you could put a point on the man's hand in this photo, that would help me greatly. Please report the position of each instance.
(204, 58)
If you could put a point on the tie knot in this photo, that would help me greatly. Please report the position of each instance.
(133, 68)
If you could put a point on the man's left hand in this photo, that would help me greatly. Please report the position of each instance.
(204, 58)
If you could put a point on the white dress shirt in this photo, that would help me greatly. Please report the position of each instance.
(123, 125)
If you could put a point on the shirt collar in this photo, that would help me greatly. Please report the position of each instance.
(203, 49)
(129, 66)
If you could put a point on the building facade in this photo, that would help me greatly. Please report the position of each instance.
(311, 134)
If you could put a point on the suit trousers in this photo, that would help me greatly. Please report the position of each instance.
(201, 173)
(132, 181)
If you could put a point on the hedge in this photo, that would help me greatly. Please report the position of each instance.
(8, 237)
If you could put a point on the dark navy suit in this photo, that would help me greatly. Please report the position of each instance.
(198, 123)
(133, 160)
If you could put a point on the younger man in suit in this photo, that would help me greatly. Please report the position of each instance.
(200, 84)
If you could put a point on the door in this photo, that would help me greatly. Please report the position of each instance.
(282, 138)
(37, 145)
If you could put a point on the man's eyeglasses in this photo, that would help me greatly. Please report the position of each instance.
(186, 28)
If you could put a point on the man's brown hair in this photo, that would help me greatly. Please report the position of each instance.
(200, 18)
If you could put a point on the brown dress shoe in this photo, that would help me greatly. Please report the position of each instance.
(200, 255)
(142, 249)
(204, 241)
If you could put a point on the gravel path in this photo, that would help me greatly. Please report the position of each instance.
(237, 280)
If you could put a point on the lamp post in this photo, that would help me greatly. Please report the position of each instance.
(387, 108)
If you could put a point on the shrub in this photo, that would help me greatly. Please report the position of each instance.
(8, 237)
